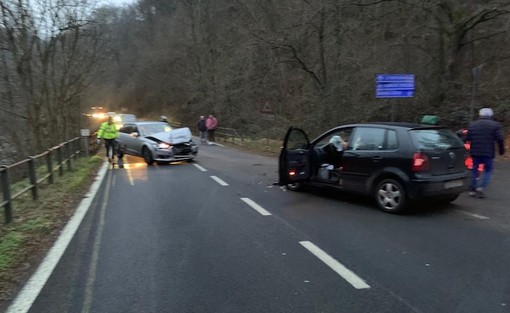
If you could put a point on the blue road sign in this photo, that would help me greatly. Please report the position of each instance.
(394, 86)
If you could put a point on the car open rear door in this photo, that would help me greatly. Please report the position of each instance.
(294, 161)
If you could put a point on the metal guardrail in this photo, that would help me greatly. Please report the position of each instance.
(224, 133)
(55, 159)
(229, 134)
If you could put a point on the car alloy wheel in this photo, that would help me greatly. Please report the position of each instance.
(391, 196)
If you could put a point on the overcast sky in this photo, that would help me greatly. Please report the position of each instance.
(118, 2)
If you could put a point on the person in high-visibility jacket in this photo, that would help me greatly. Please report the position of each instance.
(108, 131)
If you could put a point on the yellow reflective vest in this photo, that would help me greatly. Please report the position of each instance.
(107, 131)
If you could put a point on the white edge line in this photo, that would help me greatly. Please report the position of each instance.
(336, 266)
(34, 285)
(219, 181)
(200, 167)
(256, 207)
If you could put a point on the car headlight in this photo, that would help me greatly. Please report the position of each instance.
(163, 145)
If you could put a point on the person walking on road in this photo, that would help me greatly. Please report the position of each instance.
(108, 131)
(202, 129)
(483, 134)
(211, 123)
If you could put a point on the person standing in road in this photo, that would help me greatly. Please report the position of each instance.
(483, 134)
(211, 123)
(202, 129)
(108, 131)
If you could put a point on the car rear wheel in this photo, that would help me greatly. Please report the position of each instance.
(147, 156)
(391, 196)
(295, 187)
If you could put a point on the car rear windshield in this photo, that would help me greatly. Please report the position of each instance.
(435, 139)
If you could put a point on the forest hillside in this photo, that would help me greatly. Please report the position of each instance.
(259, 66)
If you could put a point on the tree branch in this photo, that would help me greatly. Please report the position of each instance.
(482, 38)
(374, 3)
(303, 66)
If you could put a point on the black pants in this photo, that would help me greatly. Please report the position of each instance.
(210, 134)
(110, 147)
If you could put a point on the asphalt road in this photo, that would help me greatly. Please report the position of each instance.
(217, 236)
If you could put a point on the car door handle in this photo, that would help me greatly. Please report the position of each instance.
(377, 158)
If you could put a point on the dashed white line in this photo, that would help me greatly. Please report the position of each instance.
(219, 181)
(200, 167)
(336, 266)
(129, 174)
(480, 217)
(256, 207)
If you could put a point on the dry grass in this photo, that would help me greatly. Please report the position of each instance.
(269, 147)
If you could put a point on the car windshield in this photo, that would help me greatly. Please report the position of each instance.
(148, 129)
(430, 139)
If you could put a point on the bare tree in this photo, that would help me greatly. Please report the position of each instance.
(52, 47)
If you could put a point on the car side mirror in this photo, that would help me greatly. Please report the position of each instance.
(134, 134)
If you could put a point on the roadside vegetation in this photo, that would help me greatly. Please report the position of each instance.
(36, 224)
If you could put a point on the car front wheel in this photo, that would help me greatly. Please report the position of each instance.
(147, 156)
(390, 196)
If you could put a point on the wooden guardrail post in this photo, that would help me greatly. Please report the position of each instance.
(59, 161)
(31, 174)
(4, 176)
(49, 165)
(69, 152)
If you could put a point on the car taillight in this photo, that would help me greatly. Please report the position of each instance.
(292, 173)
(420, 162)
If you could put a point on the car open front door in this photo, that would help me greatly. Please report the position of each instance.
(294, 162)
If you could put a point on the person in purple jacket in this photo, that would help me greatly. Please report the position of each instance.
(483, 135)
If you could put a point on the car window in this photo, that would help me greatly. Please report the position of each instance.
(432, 139)
(391, 140)
(345, 135)
(128, 129)
(368, 138)
(297, 140)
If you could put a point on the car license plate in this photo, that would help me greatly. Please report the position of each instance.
(453, 183)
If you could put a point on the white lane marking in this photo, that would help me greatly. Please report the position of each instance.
(33, 287)
(480, 217)
(91, 278)
(256, 207)
(336, 266)
(219, 181)
(200, 167)
(127, 168)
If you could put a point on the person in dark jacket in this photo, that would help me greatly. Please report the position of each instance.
(202, 129)
(483, 134)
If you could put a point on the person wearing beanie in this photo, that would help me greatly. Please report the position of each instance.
(483, 135)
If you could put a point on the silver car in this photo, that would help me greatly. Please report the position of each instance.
(157, 141)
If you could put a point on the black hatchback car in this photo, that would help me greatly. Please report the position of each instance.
(395, 163)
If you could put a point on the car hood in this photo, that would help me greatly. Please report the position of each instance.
(175, 136)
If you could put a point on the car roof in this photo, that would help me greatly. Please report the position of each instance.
(407, 125)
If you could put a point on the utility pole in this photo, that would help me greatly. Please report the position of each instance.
(476, 71)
